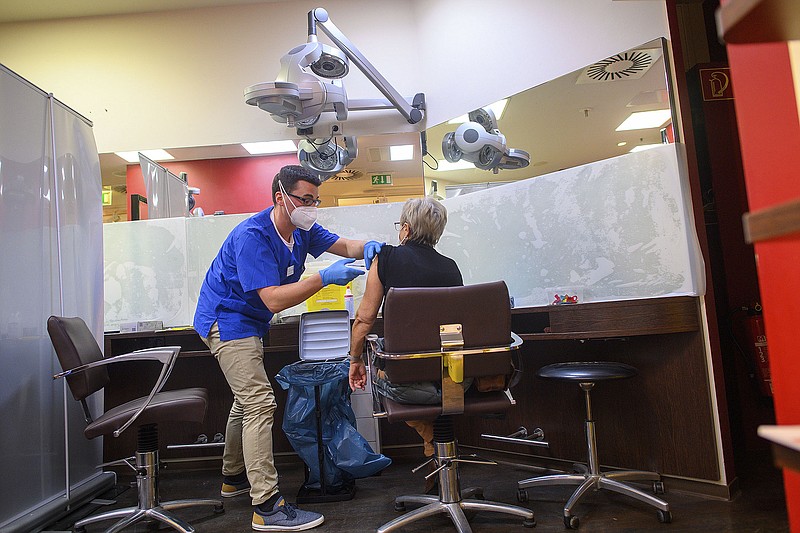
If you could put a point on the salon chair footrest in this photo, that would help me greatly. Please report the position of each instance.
(521, 436)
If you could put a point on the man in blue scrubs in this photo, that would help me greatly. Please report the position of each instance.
(255, 275)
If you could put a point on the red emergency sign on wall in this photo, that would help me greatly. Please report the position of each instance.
(716, 83)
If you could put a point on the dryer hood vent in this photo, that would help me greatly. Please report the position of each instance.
(348, 174)
(629, 65)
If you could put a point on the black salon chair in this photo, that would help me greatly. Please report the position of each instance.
(86, 373)
(447, 335)
(586, 374)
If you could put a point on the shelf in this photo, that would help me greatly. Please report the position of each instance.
(772, 222)
(785, 444)
(758, 21)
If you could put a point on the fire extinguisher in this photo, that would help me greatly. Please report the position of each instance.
(755, 348)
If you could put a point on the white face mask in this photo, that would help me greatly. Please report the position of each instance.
(302, 217)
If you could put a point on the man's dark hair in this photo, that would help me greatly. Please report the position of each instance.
(290, 175)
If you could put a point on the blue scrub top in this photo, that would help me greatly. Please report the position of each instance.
(252, 257)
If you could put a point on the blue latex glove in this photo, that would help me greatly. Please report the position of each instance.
(339, 273)
(371, 249)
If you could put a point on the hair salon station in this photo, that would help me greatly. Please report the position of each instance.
(620, 184)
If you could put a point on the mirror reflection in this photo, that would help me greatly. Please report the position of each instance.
(569, 121)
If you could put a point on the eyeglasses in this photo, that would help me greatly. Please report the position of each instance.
(398, 226)
(306, 201)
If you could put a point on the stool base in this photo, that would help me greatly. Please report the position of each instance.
(610, 481)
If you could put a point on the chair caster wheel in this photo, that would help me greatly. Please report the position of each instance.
(219, 509)
(658, 487)
(665, 517)
(399, 507)
(529, 523)
(571, 522)
(522, 495)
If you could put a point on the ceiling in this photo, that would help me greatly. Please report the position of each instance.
(37, 10)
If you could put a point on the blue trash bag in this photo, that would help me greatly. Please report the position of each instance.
(347, 455)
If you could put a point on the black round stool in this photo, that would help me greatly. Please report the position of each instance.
(586, 374)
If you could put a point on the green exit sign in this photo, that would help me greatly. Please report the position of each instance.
(381, 179)
(106, 196)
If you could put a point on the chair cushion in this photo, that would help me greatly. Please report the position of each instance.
(184, 405)
(485, 403)
(588, 371)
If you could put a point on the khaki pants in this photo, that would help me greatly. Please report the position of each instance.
(248, 435)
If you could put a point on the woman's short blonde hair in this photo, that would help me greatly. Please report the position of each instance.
(426, 219)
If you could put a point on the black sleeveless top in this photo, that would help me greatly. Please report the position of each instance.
(416, 265)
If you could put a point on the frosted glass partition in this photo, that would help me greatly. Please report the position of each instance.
(167, 194)
(50, 234)
(145, 272)
(611, 230)
(362, 222)
(616, 229)
(204, 237)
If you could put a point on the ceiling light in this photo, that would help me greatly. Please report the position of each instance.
(270, 147)
(155, 155)
(645, 119)
(458, 165)
(497, 108)
(623, 143)
(402, 152)
(645, 147)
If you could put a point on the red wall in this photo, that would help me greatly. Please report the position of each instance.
(769, 130)
(240, 185)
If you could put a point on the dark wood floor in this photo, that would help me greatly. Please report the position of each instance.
(758, 508)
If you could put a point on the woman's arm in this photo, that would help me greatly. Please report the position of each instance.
(365, 318)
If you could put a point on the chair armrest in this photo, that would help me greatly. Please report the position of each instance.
(373, 344)
(516, 341)
(166, 355)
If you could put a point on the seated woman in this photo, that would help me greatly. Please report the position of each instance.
(415, 263)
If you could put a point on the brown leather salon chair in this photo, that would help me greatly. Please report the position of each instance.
(447, 335)
(85, 370)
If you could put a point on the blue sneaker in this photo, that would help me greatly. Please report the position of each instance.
(285, 517)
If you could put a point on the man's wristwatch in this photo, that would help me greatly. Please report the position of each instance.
(354, 358)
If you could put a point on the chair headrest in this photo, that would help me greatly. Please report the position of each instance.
(412, 316)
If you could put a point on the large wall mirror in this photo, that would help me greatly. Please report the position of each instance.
(570, 121)
(565, 122)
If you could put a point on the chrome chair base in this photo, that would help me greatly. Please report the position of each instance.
(148, 507)
(592, 478)
(451, 499)
(610, 481)
(455, 510)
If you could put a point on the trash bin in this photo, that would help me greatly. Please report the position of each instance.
(318, 420)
